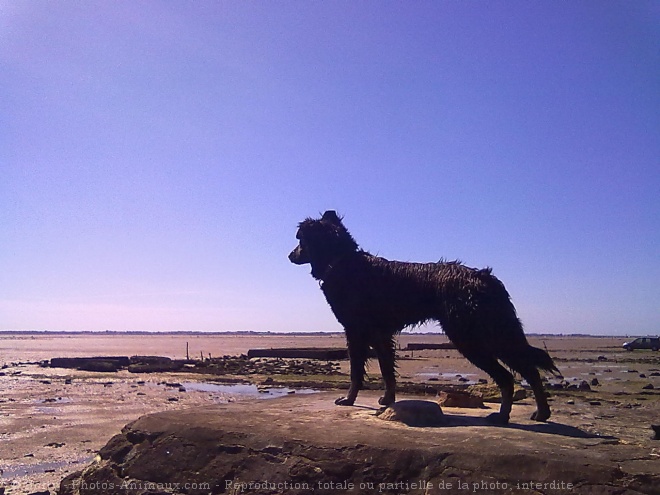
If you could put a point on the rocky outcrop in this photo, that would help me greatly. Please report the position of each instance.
(300, 444)
(97, 363)
(321, 353)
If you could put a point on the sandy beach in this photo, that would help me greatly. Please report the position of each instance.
(53, 421)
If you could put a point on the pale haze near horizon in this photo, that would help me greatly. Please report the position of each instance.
(156, 157)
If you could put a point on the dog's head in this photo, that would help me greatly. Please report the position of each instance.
(321, 242)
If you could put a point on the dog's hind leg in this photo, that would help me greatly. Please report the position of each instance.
(503, 379)
(526, 361)
(386, 360)
(358, 352)
(532, 376)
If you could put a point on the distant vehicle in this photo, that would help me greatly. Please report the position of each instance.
(652, 343)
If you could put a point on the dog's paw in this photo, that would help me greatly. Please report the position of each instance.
(345, 401)
(498, 419)
(540, 416)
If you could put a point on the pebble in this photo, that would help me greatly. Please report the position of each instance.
(584, 385)
(656, 430)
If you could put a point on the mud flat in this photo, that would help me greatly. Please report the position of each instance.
(53, 422)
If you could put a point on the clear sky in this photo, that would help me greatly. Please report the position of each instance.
(156, 156)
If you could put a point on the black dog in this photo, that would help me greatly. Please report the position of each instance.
(374, 299)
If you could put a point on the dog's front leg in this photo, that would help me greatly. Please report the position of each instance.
(358, 351)
(386, 359)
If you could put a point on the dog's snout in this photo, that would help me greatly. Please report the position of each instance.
(299, 256)
(294, 256)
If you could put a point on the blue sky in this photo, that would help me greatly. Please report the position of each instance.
(156, 157)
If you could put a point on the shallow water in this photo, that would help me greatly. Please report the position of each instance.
(245, 389)
(41, 467)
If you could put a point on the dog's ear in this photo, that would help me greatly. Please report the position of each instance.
(331, 216)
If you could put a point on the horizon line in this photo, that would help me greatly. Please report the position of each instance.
(264, 332)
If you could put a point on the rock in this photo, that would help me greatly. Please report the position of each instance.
(414, 413)
(310, 442)
(570, 402)
(182, 388)
(595, 382)
(656, 431)
(642, 375)
(153, 364)
(584, 385)
(655, 373)
(491, 392)
(648, 387)
(98, 363)
(100, 366)
(602, 358)
(459, 399)
(594, 403)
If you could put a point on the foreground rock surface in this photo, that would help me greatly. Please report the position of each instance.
(304, 444)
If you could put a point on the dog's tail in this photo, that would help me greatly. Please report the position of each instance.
(530, 357)
(542, 360)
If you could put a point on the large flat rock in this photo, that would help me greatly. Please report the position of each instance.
(301, 443)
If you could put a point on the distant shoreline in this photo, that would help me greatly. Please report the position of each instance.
(250, 333)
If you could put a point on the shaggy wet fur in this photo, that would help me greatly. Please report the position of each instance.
(374, 299)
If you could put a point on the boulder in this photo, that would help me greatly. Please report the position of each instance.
(414, 413)
(459, 399)
(491, 392)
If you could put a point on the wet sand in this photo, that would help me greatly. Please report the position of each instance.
(53, 421)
